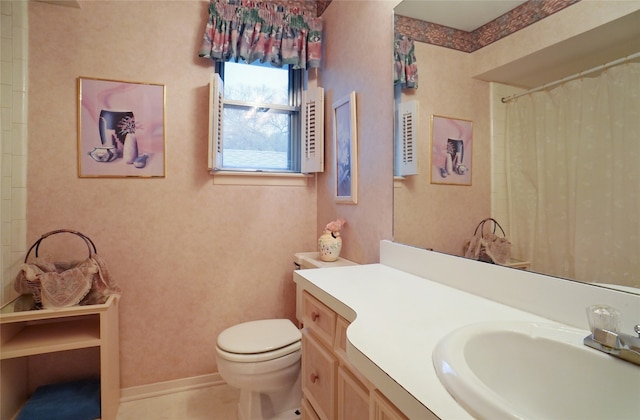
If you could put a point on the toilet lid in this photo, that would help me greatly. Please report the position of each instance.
(258, 336)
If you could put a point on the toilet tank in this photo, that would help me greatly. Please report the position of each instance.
(306, 260)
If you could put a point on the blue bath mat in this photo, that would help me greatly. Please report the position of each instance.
(77, 400)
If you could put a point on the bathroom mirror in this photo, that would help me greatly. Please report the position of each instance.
(441, 212)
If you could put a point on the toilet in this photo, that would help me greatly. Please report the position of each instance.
(262, 359)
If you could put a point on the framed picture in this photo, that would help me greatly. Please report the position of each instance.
(346, 149)
(451, 150)
(121, 129)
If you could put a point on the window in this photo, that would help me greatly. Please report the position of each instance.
(263, 121)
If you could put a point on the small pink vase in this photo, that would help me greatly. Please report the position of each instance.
(329, 247)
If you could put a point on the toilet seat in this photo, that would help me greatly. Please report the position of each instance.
(259, 357)
(260, 340)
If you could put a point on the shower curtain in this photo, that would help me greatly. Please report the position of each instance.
(573, 177)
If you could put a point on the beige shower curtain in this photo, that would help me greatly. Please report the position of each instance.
(573, 177)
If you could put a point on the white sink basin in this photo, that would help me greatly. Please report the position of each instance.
(535, 371)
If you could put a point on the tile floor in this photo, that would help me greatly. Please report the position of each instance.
(211, 403)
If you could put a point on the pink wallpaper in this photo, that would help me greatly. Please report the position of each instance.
(192, 258)
(352, 65)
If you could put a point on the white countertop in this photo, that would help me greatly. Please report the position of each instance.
(397, 320)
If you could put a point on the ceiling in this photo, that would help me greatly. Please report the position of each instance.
(466, 15)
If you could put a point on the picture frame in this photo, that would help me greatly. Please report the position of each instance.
(345, 138)
(451, 150)
(121, 129)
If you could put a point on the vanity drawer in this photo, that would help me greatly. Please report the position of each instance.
(319, 372)
(317, 317)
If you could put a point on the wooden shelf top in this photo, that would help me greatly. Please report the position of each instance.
(10, 314)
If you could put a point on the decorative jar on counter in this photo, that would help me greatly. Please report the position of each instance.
(329, 246)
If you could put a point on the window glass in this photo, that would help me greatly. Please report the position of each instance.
(255, 138)
(256, 83)
(259, 118)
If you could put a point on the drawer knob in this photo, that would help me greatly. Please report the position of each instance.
(314, 378)
(314, 316)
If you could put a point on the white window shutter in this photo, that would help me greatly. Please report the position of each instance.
(312, 148)
(406, 162)
(216, 96)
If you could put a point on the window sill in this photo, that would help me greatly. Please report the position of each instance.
(260, 178)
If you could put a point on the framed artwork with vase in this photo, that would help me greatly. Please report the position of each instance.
(121, 129)
(451, 147)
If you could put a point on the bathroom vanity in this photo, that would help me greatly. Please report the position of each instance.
(370, 331)
(328, 378)
(47, 331)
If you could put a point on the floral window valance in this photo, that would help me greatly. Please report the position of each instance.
(264, 31)
(405, 69)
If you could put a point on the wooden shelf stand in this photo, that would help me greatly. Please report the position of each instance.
(30, 333)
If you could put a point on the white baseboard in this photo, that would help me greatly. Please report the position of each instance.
(162, 388)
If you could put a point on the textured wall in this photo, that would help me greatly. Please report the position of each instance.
(13, 164)
(358, 47)
(193, 258)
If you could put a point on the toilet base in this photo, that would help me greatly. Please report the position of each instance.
(280, 405)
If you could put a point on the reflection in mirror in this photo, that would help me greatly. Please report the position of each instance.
(460, 79)
(20, 304)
